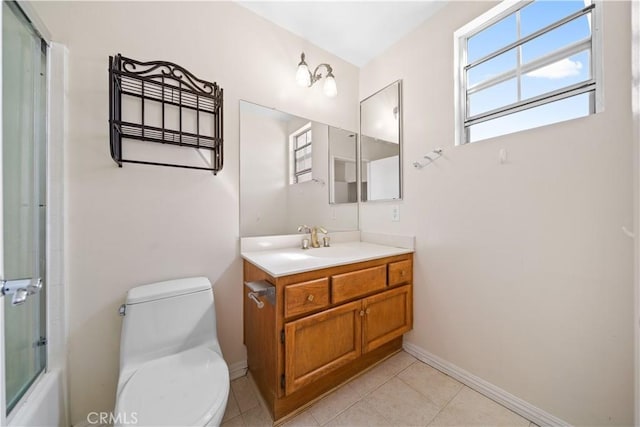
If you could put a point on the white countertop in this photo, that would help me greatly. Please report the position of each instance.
(285, 261)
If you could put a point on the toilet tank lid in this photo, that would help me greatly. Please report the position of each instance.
(170, 288)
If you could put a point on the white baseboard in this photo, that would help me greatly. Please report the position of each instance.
(238, 369)
(506, 399)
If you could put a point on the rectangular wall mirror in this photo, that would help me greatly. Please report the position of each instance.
(294, 171)
(381, 144)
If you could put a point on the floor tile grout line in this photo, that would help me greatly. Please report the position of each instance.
(423, 395)
(472, 389)
(360, 398)
(382, 415)
(338, 414)
(232, 395)
(363, 397)
(447, 404)
(312, 416)
(233, 418)
(377, 387)
(253, 391)
(407, 367)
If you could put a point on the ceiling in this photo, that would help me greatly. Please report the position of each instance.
(356, 31)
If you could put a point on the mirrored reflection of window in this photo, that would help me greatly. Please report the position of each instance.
(525, 66)
(302, 154)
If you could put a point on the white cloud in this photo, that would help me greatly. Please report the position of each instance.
(558, 70)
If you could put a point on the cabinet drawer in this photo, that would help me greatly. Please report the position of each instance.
(400, 272)
(356, 283)
(306, 297)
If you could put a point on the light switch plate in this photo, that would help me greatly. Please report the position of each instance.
(395, 213)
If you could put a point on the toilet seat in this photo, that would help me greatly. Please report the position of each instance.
(187, 388)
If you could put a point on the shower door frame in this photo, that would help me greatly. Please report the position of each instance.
(41, 30)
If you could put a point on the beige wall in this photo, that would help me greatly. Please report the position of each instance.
(141, 224)
(523, 276)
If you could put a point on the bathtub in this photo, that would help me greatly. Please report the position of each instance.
(44, 405)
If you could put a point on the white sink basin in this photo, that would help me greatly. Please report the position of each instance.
(331, 252)
(282, 262)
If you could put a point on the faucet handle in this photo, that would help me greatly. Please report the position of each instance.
(305, 241)
(321, 229)
(304, 229)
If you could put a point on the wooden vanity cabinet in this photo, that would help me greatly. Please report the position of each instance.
(326, 326)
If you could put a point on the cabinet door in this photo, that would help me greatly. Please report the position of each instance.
(321, 343)
(388, 315)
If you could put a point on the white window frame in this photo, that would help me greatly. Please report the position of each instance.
(491, 17)
(293, 174)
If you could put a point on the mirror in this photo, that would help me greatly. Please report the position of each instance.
(380, 144)
(286, 178)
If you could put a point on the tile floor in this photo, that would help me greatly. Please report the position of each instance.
(401, 391)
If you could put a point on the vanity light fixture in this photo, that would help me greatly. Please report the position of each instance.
(305, 78)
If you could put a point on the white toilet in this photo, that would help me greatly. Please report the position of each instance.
(171, 368)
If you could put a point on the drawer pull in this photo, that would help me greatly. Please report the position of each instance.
(310, 298)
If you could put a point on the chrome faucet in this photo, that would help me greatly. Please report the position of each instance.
(314, 236)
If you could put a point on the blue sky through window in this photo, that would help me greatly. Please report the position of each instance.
(575, 67)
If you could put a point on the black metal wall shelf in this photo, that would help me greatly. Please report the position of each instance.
(167, 105)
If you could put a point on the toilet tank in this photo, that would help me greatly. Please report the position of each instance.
(167, 317)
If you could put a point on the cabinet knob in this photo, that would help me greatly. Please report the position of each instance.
(402, 273)
(310, 298)
(361, 313)
(368, 311)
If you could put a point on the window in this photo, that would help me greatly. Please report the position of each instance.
(526, 65)
(301, 155)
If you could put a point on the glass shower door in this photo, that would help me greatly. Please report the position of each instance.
(22, 261)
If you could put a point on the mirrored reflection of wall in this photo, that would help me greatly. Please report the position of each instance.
(380, 169)
(380, 128)
(271, 202)
(343, 177)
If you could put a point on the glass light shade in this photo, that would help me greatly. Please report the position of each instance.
(330, 88)
(302, 76)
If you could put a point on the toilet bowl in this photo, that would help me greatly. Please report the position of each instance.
(171, 368)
